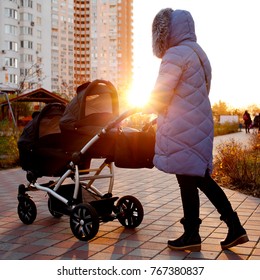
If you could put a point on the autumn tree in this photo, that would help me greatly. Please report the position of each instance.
(219, 109)
(30, 78)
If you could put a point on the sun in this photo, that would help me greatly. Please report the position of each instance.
(145, 73)
(138, 96)
(139, 93)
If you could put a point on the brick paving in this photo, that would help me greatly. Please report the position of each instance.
(51, 238)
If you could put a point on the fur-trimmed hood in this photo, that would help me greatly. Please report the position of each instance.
(170, 28)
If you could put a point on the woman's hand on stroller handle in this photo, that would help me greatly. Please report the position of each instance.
(123, 116)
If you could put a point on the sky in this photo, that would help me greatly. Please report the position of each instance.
(228, 31)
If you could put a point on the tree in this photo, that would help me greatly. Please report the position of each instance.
(65, 90)
(30, 77)
(220, 108)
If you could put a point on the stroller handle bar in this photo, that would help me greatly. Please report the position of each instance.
(113, 124)
(123, 116)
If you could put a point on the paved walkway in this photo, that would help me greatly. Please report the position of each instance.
(51, 238)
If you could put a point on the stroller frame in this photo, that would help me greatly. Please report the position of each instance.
(85, 217)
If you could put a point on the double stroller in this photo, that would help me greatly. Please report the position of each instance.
(60, 143)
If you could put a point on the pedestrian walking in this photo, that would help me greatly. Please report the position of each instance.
(257, 122)
(247, 121)
(184, 137)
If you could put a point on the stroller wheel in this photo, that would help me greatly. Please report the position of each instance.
(27, 210)
(130, 211)
(84, 222)
(54, 213)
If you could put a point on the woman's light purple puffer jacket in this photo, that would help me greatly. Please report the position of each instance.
(184, 138)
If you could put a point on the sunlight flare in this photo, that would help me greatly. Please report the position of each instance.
(138, 96)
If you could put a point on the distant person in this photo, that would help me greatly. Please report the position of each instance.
(257, 122)
(184, 137)
(247, 121)
(240, 126)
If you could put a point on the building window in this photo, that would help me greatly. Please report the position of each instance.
(39, 8)
(11, 62)
(39, 48)
(13, 79)
(26, 58)
(12, 46)
(26, 3)
(27, 44)
(39, 60)
(39, 34)
(25, 72)
(26, 16)
(39, 21)
(25, 30)
(11, 13)
(11, 29)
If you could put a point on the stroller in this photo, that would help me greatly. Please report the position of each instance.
(61, 141)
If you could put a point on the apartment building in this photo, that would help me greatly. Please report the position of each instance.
(103, 41)
(25, 45)
(60, 44)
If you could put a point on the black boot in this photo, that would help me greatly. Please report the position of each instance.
(236, 233)
(190, 240)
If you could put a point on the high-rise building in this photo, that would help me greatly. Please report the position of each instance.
(103, 41)
(60, 44)
(125, 44)
(25, 44)
(82, 71)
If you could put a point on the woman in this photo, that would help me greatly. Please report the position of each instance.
(247, 121)
(184, 138)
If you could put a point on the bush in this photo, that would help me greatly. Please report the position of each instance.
(9, 155)
(225, 128)
(238, 167)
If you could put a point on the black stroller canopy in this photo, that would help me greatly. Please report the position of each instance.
(95, 104)
(44, 123)
(40, 142)
(58, 131)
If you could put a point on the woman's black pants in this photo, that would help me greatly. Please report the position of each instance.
(189, 186)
